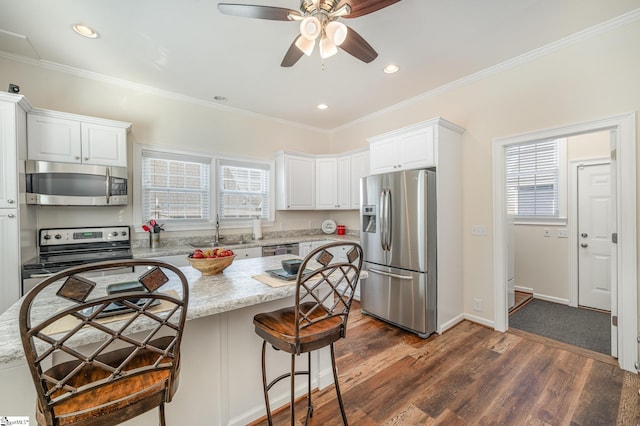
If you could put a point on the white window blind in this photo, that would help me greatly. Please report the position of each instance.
(243, 190)
(175, 187)
(533, 179)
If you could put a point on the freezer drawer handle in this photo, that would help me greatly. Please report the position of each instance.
(388, 274)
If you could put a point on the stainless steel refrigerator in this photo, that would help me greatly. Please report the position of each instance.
(398, 236)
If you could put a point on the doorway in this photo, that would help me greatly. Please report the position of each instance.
(623, 136)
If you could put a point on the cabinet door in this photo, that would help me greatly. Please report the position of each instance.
(343, 183)
(248, 253)
(8, 156)
(10, 278)
(415, 149)
(383, 156)
(304, 249)
(326, 175)
(53, 139)
(300, 183)
(104, 145)
(359, 169)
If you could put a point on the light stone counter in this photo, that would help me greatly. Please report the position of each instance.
(177, 246)
(208, 295)
(220, 380)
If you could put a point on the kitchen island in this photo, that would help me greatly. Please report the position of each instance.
(220, 379)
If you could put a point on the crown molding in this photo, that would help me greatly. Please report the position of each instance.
(575, 38)
(90, 75)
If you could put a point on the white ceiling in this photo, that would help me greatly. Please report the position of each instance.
(188, 47)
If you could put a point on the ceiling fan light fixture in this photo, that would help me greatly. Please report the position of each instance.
(310, 28)
(336, 32)
(305, 45)
(327, 48)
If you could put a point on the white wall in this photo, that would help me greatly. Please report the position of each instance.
(595, 77)
(166, 122)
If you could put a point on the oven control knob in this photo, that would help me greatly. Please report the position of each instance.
(123, 233)
(114, 234)
(58, 237)
(47, 237)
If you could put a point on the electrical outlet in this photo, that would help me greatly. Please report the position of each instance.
(563, 233)
(547, 232)
(478, 230)
(477, 305)
(282, 226)
(312, 224)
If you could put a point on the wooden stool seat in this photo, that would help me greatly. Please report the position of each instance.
(125, 373)
(318, 319)
(278, 329)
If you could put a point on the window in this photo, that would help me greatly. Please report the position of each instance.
(243, 190)
(175, 187)
(536, 179)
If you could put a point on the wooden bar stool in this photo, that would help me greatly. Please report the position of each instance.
(131, 367)
(318, 319)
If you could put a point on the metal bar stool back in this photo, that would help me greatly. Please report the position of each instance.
(100, 352)
(324, 292)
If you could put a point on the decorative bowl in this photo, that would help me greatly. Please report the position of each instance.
(291, 266)
(211, 265)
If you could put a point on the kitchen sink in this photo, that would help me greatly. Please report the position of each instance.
(221, 244)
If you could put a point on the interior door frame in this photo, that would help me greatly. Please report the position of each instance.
(623, 128)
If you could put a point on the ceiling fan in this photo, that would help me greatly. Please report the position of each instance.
(318, 21)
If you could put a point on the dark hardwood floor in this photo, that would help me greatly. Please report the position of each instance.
(470, 375)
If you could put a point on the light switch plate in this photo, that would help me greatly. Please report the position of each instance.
(478, 230)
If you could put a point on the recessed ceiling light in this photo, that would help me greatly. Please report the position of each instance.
(220, 98)
(323, 106)
(390, 69)
(85, 31)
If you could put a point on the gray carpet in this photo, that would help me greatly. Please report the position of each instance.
(579, 327)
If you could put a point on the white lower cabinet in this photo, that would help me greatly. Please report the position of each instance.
(248, 253)
(9, 258)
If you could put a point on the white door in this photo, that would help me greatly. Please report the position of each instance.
(594, 236)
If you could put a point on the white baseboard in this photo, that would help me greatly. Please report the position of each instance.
(553, 299)
(480, 320)
(449, 324)
(524, 289)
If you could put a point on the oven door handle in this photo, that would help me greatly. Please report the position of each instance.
(42, 275)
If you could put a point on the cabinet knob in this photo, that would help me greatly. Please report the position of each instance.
(76, 157)
(10, 201)
(11, 215)
(86, 158)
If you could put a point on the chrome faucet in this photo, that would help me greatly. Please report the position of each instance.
(216, 238)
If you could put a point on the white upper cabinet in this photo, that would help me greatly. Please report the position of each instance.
(70, 138)
(359, 169)
(295, 181)
(333, 183)
(408, 148)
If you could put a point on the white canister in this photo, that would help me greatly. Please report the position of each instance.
(257, 229)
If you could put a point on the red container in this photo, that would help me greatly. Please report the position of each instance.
(341, 230)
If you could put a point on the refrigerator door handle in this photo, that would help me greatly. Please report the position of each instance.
(389, 220)
(389, 274)
(382, 220)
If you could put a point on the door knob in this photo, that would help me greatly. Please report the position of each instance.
(584, 235)
(584, 245)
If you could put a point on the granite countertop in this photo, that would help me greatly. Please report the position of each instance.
(208, 295)
(173, 246)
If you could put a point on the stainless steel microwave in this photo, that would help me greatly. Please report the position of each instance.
(67, 184)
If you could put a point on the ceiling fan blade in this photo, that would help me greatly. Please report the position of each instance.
(292, 56)
(364, 7)
(257, 12)
(356, 46)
